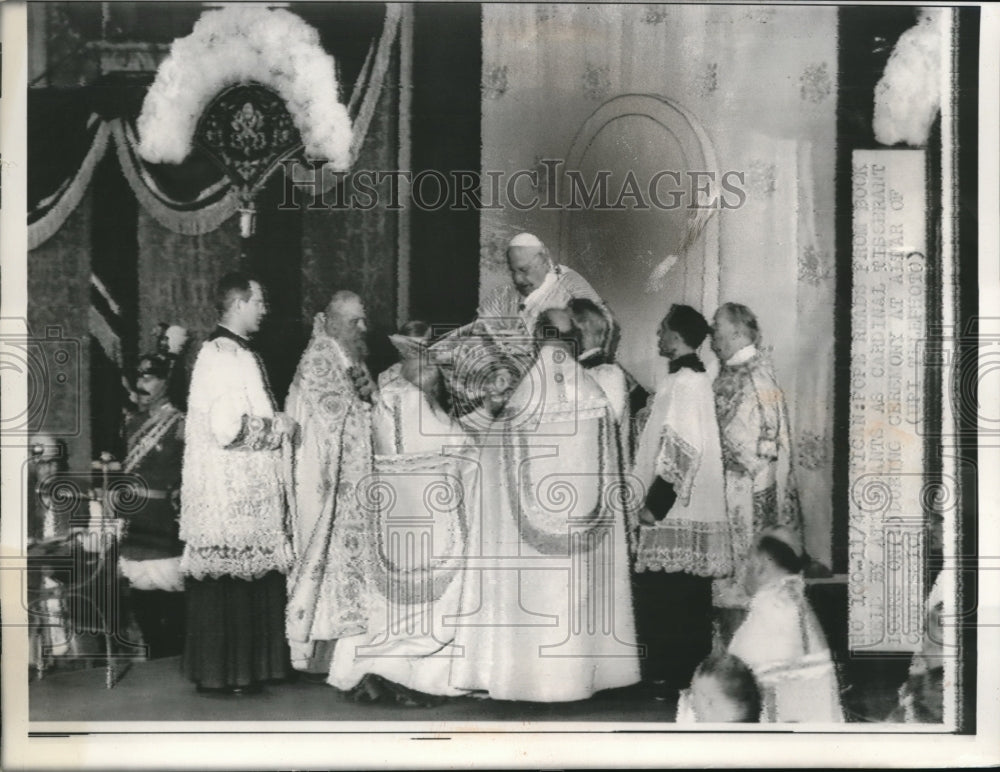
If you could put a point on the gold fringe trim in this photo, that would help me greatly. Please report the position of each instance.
(195, 222)
(45, 227)
(205, 219)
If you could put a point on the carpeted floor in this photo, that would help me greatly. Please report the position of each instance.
(156, 691)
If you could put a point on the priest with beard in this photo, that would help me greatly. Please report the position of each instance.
(331, 401)
(546, 613)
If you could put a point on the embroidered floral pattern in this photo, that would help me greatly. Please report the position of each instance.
(332, 404)
(319, 367)
(813, 450)
(495, 82)
(814, 265)
(596, 82)
(655, 15)
(758, 15)
(761, 178)
(256, 434)
(707, 83)
(760, 485)
(815, 83)
(233, 514)
(232, 501)
(544, 13)
(328, 589)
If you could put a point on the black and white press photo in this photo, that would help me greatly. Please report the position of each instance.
(563, 383)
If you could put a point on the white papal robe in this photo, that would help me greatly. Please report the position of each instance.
(546, 606)
(417, 517)
(499, 345)
(560, 285)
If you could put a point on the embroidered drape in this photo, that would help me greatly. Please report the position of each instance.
(213, 205)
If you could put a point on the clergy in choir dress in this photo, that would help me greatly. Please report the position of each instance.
(597, 358)
(418, 509)
(330, 399)
(756, 444)
(781, 638)
(546, 612)
(236, 552)
(683, 537)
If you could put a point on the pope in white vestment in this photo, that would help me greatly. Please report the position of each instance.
(479, 356)
(418, 511)
(546, 605)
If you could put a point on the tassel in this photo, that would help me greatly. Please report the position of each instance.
(248, 217)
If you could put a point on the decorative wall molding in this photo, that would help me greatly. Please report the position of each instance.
(697, 146)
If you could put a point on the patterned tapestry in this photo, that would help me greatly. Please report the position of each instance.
(762, 83)
(59, 304)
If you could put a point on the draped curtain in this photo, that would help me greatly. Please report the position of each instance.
(212, 203)
(183, 235)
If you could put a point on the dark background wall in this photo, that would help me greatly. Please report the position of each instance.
(444, 244)
(302, 254)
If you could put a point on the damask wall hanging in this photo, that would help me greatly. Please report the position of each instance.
(247, 131)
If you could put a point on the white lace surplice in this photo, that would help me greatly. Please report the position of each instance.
(232, 500)
(547, 612)
(680, 443)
